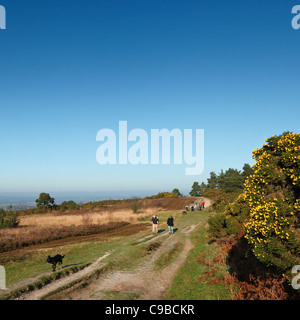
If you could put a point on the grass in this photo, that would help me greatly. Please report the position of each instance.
(168, 257)
(203, 274)
(42, 282)
(117, 295)
(33, 262)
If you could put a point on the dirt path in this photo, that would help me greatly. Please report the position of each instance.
(145, 282)
(36, 295)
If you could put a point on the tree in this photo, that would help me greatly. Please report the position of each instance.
(176, 191)
(203, 186)
(68, 205)
(247, 171)
(212, 182)
(44, 200)
(196, 190)
(221, 180)
(234, 181)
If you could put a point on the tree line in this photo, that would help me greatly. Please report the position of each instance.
(232, 180)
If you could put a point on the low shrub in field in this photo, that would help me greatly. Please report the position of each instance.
(272, 193)
(162, 195)
(8, 219)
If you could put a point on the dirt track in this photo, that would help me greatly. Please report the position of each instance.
(144, 281)
(139, 282)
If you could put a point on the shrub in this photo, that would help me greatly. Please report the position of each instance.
(272, 193)
(135, 206)
(8, 219)
(231, 225)
(67, 205)
(217, 225)
(220, 198)
(161, 195)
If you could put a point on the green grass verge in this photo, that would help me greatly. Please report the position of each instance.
(42, 282)
(32, 263)
(201, 277)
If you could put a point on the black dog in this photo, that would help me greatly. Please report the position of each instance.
(54, 260)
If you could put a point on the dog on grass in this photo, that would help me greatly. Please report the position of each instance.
(54, 260)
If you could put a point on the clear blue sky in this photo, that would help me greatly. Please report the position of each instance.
(71, 68)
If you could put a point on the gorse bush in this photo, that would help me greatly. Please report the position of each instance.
(238, 209)
(8, 219)
(162, 195)
(272, 193)
(231, 216)
(217, 225)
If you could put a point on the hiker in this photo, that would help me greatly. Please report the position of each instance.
(154, 224)
(187, 207)
(203, 203)
(192, 208)
(170, 223)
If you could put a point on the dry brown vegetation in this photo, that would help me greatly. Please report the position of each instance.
(39, 228)
(17, 238)
(251, 278)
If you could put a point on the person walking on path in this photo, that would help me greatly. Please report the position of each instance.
(170, 223)
(155, 221)
(203, 203)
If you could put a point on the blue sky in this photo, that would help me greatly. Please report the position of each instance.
(71, 68)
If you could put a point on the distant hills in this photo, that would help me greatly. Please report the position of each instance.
(23, 201)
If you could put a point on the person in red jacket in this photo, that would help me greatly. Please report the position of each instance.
(203, 203)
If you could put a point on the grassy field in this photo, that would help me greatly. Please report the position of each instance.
(202, 276)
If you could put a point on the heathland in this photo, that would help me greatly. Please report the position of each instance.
(243, 245)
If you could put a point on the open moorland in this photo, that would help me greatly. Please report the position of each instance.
(110, 258)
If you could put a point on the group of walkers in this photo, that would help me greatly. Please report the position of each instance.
(196, 206)
(170, 222)
(155, 220)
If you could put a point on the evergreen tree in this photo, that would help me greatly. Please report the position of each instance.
(212, 182)
(44, 200)
(196, 190)
(234, 181)
(176, 191)
(247, 171)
